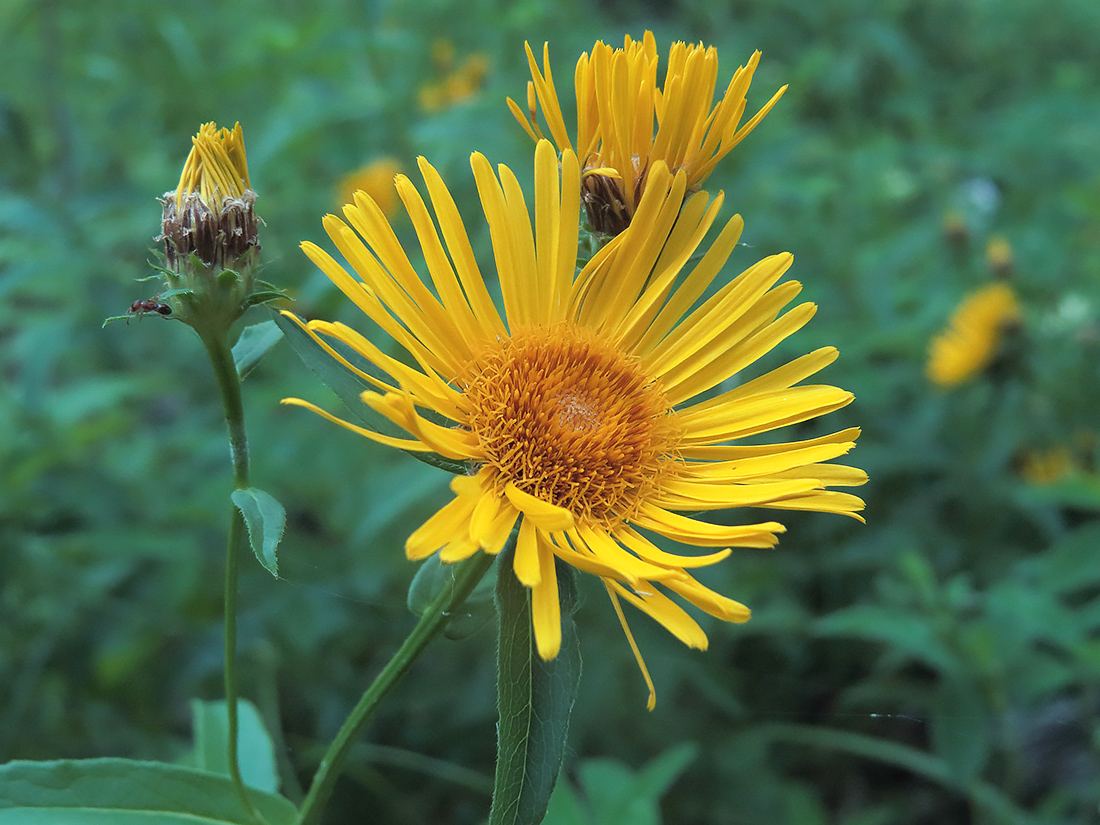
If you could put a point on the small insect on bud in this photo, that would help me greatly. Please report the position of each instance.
(141, 308)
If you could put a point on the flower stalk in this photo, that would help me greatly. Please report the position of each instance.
(229, 384)
(466, 576)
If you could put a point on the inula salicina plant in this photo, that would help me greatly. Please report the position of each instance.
(592, 387)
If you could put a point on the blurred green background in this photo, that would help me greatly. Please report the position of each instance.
(940, 664)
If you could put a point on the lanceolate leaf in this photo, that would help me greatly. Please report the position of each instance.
(103, 791)
(535, 699)
(266, 521)
(349, 386)
(255, 342)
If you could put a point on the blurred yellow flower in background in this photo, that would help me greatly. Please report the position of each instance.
(970, 342)
(998, 256)
(585, 412)
(1046, 466)
(457, 84)
(618, 102)
(374, 178)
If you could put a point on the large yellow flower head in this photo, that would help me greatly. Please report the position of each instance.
(579, 410)
(970, 342)
(619, 103)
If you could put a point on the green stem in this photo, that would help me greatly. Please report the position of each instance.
(221, 359)
(466, 576)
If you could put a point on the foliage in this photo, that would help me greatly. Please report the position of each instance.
(937, 664)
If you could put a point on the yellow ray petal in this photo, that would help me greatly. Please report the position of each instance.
(736, 306)
(804, 463)
(701, 533)
(652, 701)
(545, 606)
(540, 513)
(311, 330)
(606, 550)
(707, 600)
(462, 253)
(780, 378)
(458, 549)
(768, 411)
(427, 387)
(647, 550)
(448, 524)
(389, 441)
(739, 452)
(398, 408)
(733, 352)
(526, 563)
(683, 495)
(439, 268)
(826, 501)
(500, 221)
(667, 613)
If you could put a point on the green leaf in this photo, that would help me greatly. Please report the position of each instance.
(266, 521)
(618, 796)
(535, 699)
(565, 808)
(907, 633)
(122, 790)
(430, 579)
(255, 750)
(255, 342)
(349, 387)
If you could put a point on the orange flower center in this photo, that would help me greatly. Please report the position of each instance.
(569, 419)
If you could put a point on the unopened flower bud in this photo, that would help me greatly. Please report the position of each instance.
(212, 212)
(211, 234)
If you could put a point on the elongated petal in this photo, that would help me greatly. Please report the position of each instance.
(545, 607)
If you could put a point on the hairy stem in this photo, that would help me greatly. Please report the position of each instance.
(221, 359)
(466, 576)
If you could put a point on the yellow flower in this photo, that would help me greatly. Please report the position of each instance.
(585, 412)
(618, 101)
(374, 178)
(455, 87)
(970, 342)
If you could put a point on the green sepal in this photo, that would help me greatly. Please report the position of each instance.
(430, 580)
(254, 343)
(174, 293)
(255, 750)
(349, 387)
(103, 791)
(266, 521)
(267, 296)
(535, 699)
(228, 278)
(264, 293)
